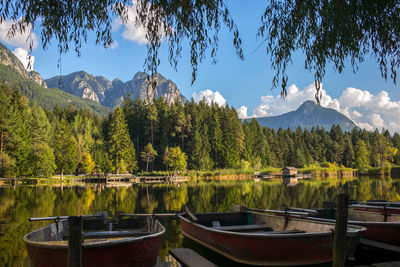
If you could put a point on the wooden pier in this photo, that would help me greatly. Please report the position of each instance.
(129, 178)
(190, 258)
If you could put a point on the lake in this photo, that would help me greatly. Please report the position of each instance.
(17, 204)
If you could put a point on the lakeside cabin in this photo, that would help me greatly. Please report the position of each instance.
(289, 171)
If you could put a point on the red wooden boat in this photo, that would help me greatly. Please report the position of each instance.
(382, 221)
(125, 241)
(265, 239)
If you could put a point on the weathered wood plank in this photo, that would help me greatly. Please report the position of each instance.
(190, 258)
(379, 245)
(242, 228)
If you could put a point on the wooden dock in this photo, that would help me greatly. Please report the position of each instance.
(129, 178)
(190, 258)
(380, 245)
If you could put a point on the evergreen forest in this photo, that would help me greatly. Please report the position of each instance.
(157, 136)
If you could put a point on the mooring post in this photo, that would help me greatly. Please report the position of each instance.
(75, 229)
(339, 237)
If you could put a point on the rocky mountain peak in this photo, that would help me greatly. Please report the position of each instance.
(111, 94)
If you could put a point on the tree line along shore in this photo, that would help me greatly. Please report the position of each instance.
(194, 138)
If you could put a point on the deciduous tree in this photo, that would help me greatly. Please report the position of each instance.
(175, 159)
(148, 155)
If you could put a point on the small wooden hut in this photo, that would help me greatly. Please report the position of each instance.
(289, 171)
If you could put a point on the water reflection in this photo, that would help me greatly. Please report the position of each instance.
(20, 203)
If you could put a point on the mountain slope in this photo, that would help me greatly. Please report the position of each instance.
(9, 59)
(47, 97)
(309, 114)
(111, 94)
(31, 84)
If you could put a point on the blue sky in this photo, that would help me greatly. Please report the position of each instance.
(365, 96)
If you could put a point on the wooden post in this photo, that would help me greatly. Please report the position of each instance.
(339, 237)
(75, 240)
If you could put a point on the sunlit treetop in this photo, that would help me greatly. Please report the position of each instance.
(336, 31)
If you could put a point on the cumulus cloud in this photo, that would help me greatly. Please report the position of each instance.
(23, 56)
(365, 109)
(19, 39)
(242, 112)
(209, 96)
(131, 31)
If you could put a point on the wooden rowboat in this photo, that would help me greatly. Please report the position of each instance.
(382, 222)
(123, 241)
(265, 239)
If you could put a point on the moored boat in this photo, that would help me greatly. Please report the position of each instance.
(265, 239)
(381, 221)
(123, 241)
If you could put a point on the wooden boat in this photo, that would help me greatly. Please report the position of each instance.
(123, 241)
(382, 221)
(265, 239)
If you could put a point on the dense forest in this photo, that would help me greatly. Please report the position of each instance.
(153, 135)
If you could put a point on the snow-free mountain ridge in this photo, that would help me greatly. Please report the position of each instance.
(308, 115)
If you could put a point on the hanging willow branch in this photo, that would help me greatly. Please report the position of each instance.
(335, 31)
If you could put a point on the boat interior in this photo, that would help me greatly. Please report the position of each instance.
(257, 223)
(99, 228)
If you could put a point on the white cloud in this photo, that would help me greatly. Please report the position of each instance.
(272, 106)
(23, 56)
(361, 106)
(19, 39)
(209, 96)
(130, 31)
(242, 112)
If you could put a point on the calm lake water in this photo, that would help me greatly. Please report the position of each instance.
(22, 202)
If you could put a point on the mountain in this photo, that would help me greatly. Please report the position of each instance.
(309, 114)
(111, 94)
(32, 85)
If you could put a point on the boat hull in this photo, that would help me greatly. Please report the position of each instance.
(105, 250)
(264, 249)
(385, 232)
(382, 223)
(139, 253)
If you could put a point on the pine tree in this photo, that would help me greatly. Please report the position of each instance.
(122, 151)
(348, 152)
(42, 157)
(215, 134)
(233, 138)
(362, 155)
(64, 148)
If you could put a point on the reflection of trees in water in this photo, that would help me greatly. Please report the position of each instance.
(20, 203)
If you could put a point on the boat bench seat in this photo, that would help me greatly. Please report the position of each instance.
(243, 228)
(106, 234)
(282, 232)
